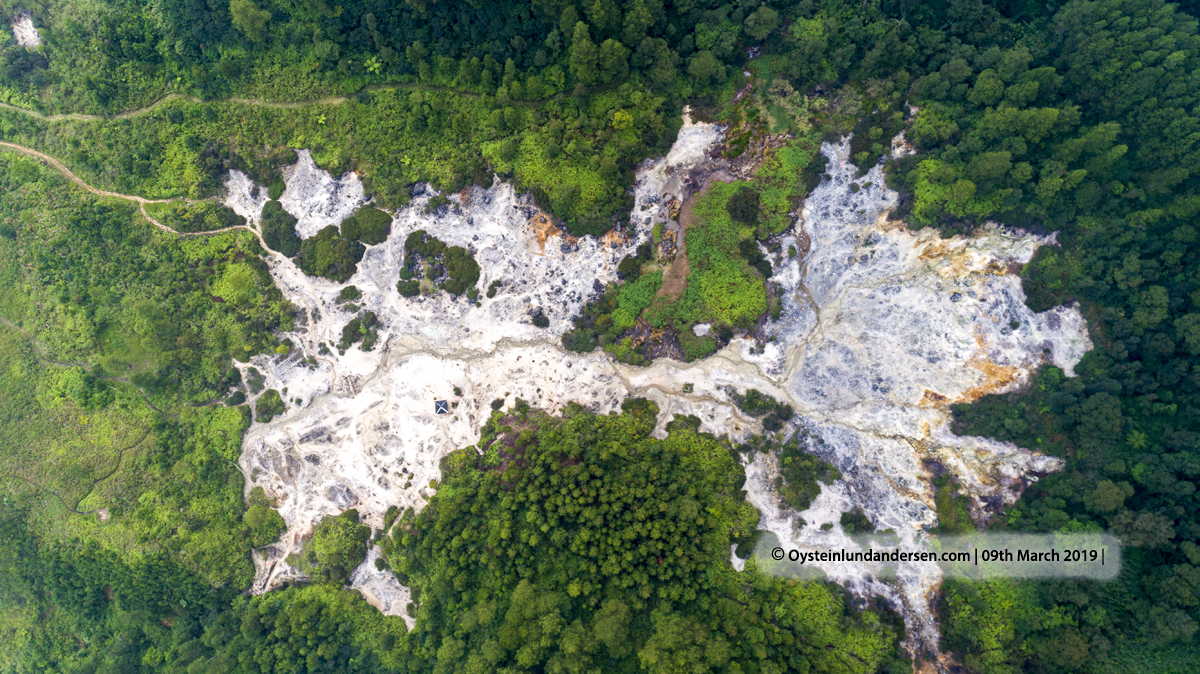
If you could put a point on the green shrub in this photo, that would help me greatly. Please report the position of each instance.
(409, 288)
(360, 329)
(330, 255)
(279, 229)
(450, 268)
(800, 472)
(772, 413)
(337, 546)
(349, 294)
(265, 523)
(254, 379)
(368, 225)
(269, 406)
(856, 522)
(629, 268)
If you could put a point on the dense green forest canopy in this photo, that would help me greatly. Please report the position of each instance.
(1079, 117)
(582, 544)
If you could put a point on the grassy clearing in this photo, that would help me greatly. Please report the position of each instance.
(51, 442)
(124, 311)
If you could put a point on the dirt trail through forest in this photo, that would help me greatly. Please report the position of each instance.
(141, 201)
(280, 105)
(137, 112)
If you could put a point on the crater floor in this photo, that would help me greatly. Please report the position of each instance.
(882, 330)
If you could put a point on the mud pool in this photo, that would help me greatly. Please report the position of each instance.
(882, 330)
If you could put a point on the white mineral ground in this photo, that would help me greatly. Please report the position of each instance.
(25, 32)
(882, 330)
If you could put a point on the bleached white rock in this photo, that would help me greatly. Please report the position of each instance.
(316, 198)
(244, 197)
(364, 433)
(883, 329)
(25, 32)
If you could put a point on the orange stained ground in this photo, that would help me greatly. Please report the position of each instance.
(996, 379)
(958, 263)
(544, 228)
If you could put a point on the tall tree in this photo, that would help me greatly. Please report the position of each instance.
(614, 61)
(249, 19)
(584, 55)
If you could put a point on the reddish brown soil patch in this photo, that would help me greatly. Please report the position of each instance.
(676, 276)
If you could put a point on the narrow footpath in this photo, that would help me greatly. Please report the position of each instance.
(140, 201)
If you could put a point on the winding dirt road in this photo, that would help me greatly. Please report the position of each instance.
(137, 112)
(280, 105)
(141, 201)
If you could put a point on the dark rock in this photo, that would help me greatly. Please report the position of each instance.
(318, 434)
(341, 496)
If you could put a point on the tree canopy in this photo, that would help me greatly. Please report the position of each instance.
(582, 543)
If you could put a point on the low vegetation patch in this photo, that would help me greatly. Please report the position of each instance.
(330, 255)
(772, 413)
(349, 294)
(449, 268)
(279, 229)
(801, 472)
(725, 288)
(360, 329)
